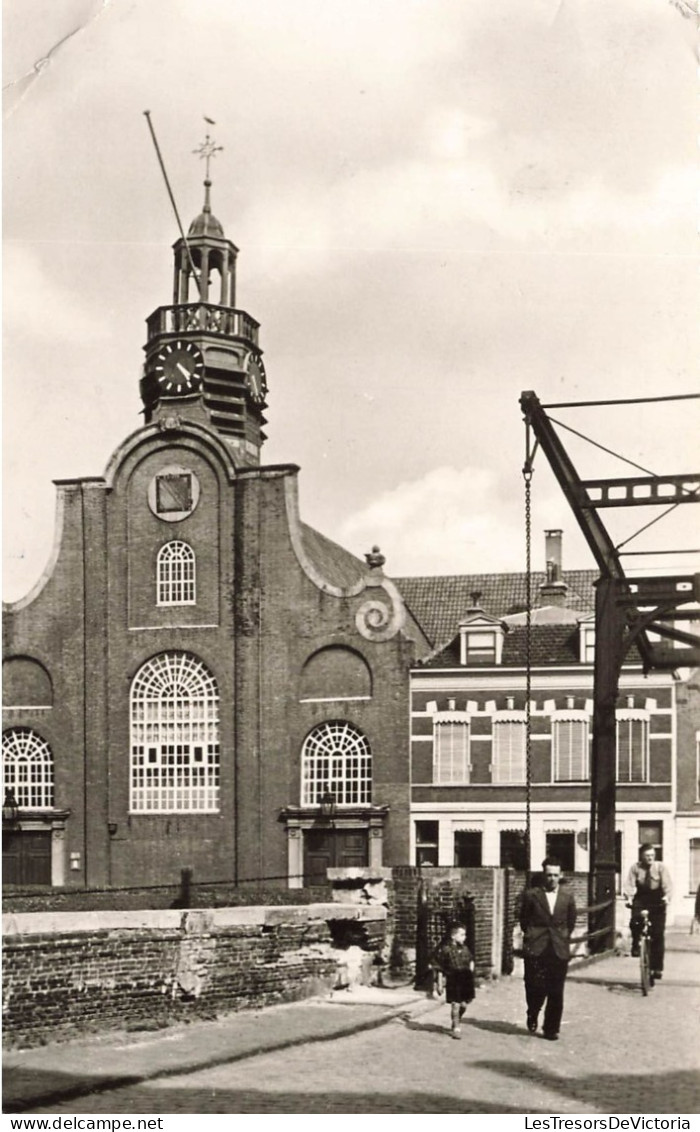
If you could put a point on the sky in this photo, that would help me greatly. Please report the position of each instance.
(438, 205)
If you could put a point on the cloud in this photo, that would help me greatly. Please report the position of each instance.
(439, 524)
(455, 204)
(37, 306)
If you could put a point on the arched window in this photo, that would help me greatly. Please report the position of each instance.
(336, 757)
(174, 736)
(28, 768)
(176, 574)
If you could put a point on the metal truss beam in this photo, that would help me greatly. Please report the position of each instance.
(640, 491)
(627, 610)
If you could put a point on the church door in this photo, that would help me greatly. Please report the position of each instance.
(333, 849)
(26, 857)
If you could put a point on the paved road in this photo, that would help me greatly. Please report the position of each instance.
(618, 1053)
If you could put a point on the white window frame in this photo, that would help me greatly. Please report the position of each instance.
(468, 633)
(451, 760)
(582, 719)
(632, 716)
(176, 569)
(508, 768)
(27, 768)
(693, 865)
(587, 642)
(336, 758)
(174, 736)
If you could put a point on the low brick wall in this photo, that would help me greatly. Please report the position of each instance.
(484, 887)
(223, 895)
(65, 973)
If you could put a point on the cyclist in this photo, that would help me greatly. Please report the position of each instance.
(648, 886)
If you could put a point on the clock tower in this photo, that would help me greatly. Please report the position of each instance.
(203, 351)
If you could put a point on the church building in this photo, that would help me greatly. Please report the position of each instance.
(199, 679)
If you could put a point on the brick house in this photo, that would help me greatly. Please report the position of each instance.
(199, 679)
(469, 726)
(687, 833)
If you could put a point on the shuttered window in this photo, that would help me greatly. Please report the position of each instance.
(570, 743)
(632, 750)
(451, 752)
(509, 750)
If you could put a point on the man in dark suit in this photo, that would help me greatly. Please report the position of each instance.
(547, 919)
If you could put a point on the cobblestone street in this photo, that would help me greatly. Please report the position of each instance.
(618, 1053)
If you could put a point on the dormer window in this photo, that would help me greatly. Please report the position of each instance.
(479, 648)
(586, 641)
(480, 641)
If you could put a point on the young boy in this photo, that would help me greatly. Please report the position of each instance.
(453, 959)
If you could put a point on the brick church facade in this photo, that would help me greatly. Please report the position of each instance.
(199, 679)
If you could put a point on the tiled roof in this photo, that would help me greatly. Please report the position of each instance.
(440, 602)
(550, 644)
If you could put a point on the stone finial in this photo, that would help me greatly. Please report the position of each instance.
(375, 559)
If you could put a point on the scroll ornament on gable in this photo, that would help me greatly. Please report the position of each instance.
(379, 618)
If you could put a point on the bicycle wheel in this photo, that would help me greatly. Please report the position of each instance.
(644, 967)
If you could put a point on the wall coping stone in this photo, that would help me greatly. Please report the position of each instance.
(376, 872)
(191, 920)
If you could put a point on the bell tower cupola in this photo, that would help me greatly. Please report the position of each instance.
(202, 352)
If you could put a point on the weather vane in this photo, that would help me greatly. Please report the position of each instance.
(208, 148)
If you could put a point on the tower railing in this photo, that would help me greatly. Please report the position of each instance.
(203, 318)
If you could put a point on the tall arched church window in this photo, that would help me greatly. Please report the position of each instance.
(174, 709)
(27, 764)
(176, 574)
(336, 758)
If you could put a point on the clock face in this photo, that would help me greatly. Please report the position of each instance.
(179, 369)
(255, 379)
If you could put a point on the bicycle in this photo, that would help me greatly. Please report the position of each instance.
(646, 973)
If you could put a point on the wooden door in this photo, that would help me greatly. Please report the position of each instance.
(26, 857)
(351, 848)
(328, 848)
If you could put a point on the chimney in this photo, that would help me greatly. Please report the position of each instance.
(552, 554)
(554, 590)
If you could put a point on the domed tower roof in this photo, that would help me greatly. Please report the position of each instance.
(206, 223)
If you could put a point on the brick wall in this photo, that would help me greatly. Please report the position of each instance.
(41, 899)
(494, 895)
(65, 973)
(445, 886)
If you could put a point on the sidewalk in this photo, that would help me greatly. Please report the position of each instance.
(35, 1078)
(47, 1074)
